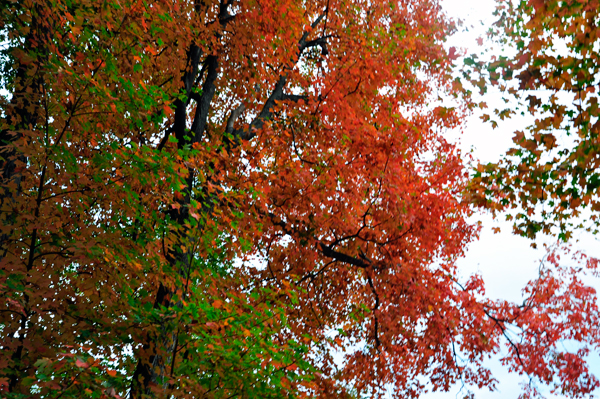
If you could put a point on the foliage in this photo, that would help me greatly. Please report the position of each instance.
(551, 70)
(215, 199)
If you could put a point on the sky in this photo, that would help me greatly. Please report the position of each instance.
(505, 261)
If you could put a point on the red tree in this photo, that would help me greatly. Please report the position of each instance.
(210, 199)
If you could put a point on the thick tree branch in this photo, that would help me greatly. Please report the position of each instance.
(235, 114)
(265, 114)
(203, 104)
(277, 93)
(351, 260)
(302, 42)
(374, 310)
(321, 42)
(325, 249)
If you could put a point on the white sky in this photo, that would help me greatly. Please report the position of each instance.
(506, 262)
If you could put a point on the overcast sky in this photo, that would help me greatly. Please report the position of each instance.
(505, 261)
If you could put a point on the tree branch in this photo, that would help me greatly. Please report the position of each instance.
(325, 249)
(277, 93)
(235, 114)
(203, 103)
(351, 260)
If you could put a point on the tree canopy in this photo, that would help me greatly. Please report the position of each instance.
(250, 198)
(550, 69)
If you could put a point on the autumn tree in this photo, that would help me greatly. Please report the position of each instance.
(216, 199)
(543, 64)
(550, 69)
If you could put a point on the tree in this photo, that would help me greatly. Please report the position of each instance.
(211, 199)
(551, 174)
(548, 182)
